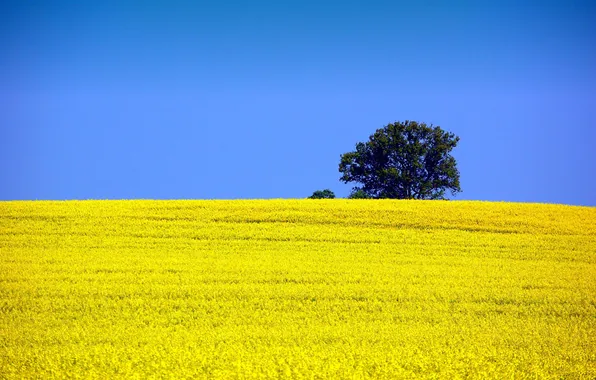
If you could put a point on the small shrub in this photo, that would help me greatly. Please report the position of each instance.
(322, 194)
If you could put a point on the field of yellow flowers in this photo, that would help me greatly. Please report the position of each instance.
(305, 289)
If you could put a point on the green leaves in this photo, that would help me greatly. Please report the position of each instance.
(322, 194)
(403, 160)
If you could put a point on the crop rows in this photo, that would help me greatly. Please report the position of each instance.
(297, 289)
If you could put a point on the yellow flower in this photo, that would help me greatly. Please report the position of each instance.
(347, 289)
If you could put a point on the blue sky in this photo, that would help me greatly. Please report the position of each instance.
(258, 99)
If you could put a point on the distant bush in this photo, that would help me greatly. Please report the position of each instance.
(358, 194)
(322, 194)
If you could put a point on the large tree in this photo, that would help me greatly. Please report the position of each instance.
(405, 160)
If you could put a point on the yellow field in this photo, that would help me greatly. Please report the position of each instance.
(300, 289)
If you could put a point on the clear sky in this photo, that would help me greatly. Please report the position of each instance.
(258, 99)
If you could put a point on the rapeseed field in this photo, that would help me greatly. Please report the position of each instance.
(304, 289)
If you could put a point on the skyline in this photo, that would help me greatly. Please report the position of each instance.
(122, 100)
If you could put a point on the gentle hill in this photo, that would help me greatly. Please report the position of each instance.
(297, 289)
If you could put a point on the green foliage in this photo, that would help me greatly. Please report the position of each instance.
(322, 194)
(405, 160)
(358, 193)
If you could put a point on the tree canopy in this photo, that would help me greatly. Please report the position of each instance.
(405, 160)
